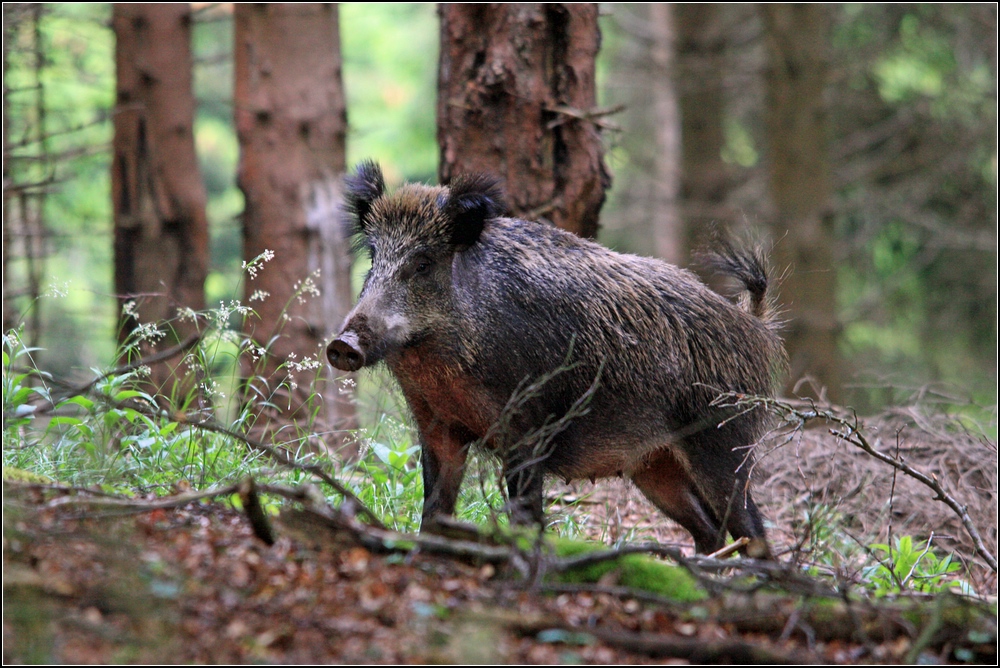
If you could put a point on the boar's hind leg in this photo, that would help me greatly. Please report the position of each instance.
(721, 475)
(444, 450)
(666, 484)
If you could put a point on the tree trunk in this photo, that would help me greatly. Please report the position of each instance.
(161, 229)
(668, 229)
(704, 175)
(797, 39)
(515, 83)
(291, 122)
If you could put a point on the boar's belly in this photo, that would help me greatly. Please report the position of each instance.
(601, 456)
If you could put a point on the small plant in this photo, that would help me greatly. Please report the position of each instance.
(908, 565)
(387, 478)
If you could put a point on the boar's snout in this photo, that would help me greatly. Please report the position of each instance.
(345, 352)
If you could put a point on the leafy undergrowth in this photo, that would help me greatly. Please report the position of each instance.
(194, 584)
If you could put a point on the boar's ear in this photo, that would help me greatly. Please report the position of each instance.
(362, 188)
(472, 200)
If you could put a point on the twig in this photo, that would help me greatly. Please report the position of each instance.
(161, 356)
(850, 432)
(594, 116)
(729, 549)
(255, 511)
(138, 506)
(380, 539)
(278, 455)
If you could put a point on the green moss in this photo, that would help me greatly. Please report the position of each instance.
(20, 475)
(638, 571)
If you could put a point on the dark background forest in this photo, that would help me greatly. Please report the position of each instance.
(907, 162)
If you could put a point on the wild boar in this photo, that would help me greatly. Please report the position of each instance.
(560, 356)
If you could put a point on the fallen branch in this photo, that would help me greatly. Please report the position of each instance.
(127, 505)
(850, 432)
(279, 456)
(381, 540)
(657, 645)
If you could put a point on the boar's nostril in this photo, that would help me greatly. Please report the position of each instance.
(343, 355)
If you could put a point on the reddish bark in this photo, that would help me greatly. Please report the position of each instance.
(161, 229)
(291, 122)
(513, 83)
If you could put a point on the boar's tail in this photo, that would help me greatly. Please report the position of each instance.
(749, 266)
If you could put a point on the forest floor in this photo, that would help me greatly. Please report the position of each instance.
(193, 584)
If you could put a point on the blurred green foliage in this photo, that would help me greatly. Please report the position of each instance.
(917, 213)
(917, 275)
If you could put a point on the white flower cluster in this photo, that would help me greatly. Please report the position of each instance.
(256, 352)
(254, 265)
(306, 286)
(307, 363)
(186, 314)
(211, 389)
(57, 290)
(148, 332)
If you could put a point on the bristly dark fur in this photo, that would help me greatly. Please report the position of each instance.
(473, 199)
(747, 263)
(361, 189)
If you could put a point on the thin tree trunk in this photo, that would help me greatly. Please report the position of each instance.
(797, 39)
(668, 229)
(161, 229)
(291, 122)
(705, 176)
(513, 83)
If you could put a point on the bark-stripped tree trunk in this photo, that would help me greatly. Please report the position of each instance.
(668, 230)
(797, 39)
(291, 122)
(515, 86)
(161, 229)
(704, 175)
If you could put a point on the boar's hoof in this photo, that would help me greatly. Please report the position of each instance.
(344, 353)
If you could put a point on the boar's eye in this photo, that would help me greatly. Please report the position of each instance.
(418, 266)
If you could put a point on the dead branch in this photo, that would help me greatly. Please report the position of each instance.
(378, 538)
(850, 431)
(255, 511)
(699, 651)
(651, 644)
(787, 577)
(127, 505)
(284, 459)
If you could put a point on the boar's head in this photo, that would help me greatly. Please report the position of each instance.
(412, 236)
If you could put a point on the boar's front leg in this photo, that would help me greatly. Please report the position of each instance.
(444, 449)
